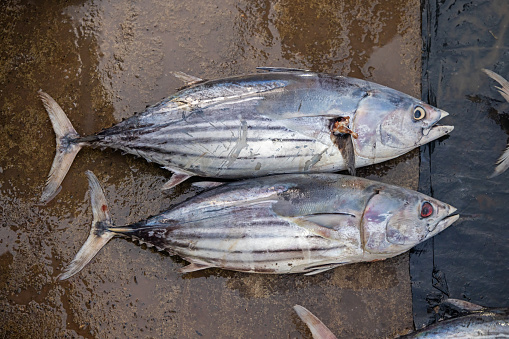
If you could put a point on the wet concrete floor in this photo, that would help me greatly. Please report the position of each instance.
(104, 60)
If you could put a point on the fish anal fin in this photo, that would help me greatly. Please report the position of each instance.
(177, 177)
(193, 267)
(323, 269)
(317, 328)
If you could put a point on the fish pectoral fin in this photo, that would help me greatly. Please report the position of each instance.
(282, 69)
(189, 80)
(207, 184)
(317, 328)
(307, 126)
(193, 267)
(177, 177)
(325, 225)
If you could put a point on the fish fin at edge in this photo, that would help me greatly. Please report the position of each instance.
(193, 267)
(502, 164)
(323, 269)
(178, 177)
(66, 150)
(317, 328)
(99, 234)
(282, 69)
(462, 305)
(504, 90)
(188, 79)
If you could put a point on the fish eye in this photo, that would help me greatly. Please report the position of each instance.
(426, 209)
(419, 113)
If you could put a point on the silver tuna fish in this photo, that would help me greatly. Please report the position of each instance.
(283, 121)
(477, 322)
(293, 223)
(503, 161)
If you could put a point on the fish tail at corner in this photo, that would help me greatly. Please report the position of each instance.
(66, 149)
(99, 232)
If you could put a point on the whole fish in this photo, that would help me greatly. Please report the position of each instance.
(476, 322)
(503, 161)
(293, 223)
(283, 121)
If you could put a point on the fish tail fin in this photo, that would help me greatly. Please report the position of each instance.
(99, 233)
(66, 147)
(317, 328)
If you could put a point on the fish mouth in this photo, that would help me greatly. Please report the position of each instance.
(448, 220)
(436, 130)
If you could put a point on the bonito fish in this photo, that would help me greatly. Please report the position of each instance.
(475, 322)
(282, 121)
(293, 223)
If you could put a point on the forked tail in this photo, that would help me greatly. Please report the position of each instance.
(66, 148)
(99, 233)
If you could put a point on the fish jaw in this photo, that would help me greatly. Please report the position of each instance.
(444, 223)
(436, 131)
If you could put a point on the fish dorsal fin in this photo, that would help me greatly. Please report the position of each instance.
(463, 306)
(317, 328)
(326, 225)
(282, 69)
(189, 80)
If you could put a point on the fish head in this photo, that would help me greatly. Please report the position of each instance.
(396, 219)
(389, 124)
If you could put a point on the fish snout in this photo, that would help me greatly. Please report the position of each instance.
(447, 221)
